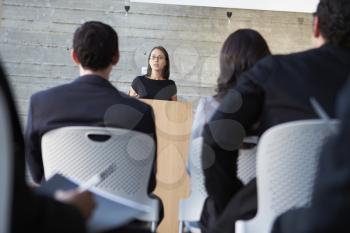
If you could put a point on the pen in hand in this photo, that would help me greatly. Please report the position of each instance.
(98, 178)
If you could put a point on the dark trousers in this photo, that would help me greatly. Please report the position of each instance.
(242, 206)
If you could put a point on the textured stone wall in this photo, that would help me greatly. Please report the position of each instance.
(35, 37)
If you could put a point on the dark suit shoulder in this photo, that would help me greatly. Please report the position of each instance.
(321, 54)
(259, 73)
(296, 54)
(274, 61)
(50, 91)
(315, 62)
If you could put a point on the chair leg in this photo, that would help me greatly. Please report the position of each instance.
(186, 229)
(181, 225)
(153, 226)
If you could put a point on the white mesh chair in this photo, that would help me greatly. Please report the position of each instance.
(190, 209)
(80, 152)
(246, 168)
(6, 166)
(287, 161)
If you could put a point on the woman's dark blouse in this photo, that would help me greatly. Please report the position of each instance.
(154, 89)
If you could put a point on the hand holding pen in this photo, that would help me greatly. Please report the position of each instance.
(81, 197)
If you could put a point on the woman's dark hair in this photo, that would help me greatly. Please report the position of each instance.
(334, 21)
(95, 44)
(241, 50)
(166, 70)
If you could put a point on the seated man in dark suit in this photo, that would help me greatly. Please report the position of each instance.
(330, 208)
(29, 211)
(276, 90)
(90, 100)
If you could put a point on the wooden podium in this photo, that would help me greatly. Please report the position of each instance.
(174, 123)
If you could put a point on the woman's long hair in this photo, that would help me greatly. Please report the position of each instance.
(241, 50)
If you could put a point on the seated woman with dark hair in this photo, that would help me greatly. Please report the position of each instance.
(155, 84)
(241, 50)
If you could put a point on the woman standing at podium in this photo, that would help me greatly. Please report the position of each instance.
(156, 83)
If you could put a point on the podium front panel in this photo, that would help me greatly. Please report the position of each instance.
(174, 123)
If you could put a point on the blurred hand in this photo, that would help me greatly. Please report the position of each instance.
(32, 185)
(133, 93)
(84, 201)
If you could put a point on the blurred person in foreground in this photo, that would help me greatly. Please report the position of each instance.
(330, 207)
(30, 212)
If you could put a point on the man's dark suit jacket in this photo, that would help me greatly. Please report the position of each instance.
(89, 100)
(31, 212)
(330, 209)
(276, 90)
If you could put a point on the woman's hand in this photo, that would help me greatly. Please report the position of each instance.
(174, 98)
(133, 93)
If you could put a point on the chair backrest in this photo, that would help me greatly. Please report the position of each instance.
(81, 152)
(6, 166)
(246, 164)
(246, 169)
(190, 209)
(287, 162)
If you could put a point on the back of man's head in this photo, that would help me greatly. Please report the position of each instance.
(334, 21)
(95, 44)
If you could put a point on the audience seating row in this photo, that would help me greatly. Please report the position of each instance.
(287, 161)
(286, 165)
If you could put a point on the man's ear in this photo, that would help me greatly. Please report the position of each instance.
(115, 58)
(75, 57)
(316, 27)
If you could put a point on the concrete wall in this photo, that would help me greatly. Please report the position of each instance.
(35, 37)
(0, 10)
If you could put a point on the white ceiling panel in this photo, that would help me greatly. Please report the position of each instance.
(307, 6)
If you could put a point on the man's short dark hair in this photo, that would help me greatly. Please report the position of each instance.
(95, 44)
(334, 21)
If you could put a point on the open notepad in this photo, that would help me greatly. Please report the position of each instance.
(111, 211)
